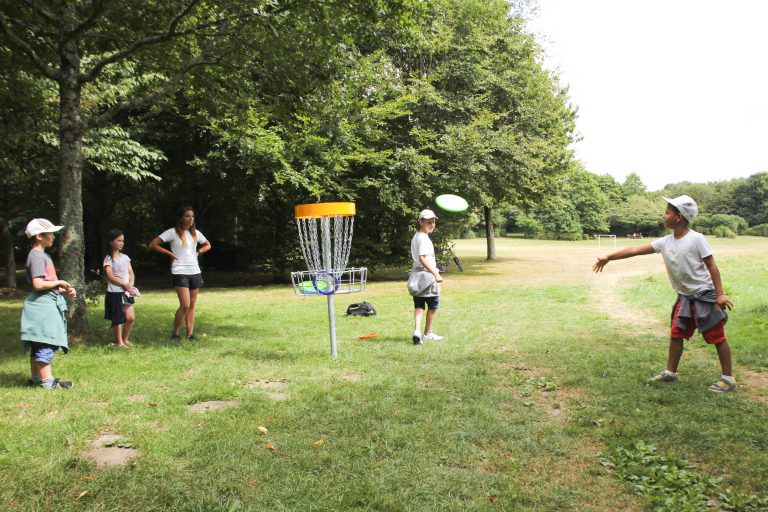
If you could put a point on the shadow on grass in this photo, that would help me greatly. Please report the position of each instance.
(13, 380)
(404, 339)
(261, 355)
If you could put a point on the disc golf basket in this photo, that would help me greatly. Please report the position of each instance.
(325, 236)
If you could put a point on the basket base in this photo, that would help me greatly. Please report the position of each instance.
(323, 282)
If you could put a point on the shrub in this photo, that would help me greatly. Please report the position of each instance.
(759, 230)
(708, 224)
(530, 226)
(723, 232)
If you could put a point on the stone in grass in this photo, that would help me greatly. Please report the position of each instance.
(108, 450)
(212, 405)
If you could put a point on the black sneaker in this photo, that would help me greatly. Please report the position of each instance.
(63, 384)
(175, 337)
(417, 340)
(192, 338)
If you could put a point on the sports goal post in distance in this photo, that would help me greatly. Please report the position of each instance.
(609, 237)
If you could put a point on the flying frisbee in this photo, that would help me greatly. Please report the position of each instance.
(451, 203)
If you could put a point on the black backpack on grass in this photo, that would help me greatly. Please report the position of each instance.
(361, 309)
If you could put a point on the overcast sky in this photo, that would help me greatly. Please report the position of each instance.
(673, 90)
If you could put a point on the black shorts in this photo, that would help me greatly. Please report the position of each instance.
(423, 302)
(192, 281)
(113, 307)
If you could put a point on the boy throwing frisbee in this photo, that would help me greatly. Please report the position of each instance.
(693, 273)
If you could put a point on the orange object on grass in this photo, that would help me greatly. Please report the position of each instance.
(368, 336)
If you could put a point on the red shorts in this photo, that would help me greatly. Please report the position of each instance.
(715, 335)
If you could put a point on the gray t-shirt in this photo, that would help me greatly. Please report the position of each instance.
(39, 264)
(421, 245)
(120, 269)
(684, 259)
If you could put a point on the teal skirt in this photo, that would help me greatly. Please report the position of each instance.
(44, 319)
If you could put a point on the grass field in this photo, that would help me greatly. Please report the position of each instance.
(536, 400)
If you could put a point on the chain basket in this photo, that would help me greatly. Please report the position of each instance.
(325, 236)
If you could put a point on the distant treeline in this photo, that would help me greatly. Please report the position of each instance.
(585, 204)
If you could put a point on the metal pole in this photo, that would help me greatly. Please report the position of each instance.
(332, 326)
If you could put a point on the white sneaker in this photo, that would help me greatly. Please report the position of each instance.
(433, 337)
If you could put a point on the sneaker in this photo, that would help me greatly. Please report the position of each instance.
(63, 384)
(722, 386)
(56, 384)
(417, 340)
(175, 337)
(433, 337)
(192, 338)
(665, 376)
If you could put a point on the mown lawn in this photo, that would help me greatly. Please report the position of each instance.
(535, 400)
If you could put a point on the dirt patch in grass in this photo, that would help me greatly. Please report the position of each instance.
(267, 384)
(514, 366)
(277, 396)
(212, 405)
(108, 450)
(753, 385)
(542, 392)
(559, 404)
(579, 469)
(352, 377)
(607, 299)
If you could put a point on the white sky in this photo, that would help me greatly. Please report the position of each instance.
(673, 90)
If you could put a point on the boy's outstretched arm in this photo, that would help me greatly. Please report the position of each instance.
(627, 252)
(722, 299)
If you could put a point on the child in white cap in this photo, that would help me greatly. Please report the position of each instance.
(424, 281)
(693, 273)
(44, 317)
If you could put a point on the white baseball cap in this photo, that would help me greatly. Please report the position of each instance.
(686, 205)
(427, 214)
(37, 226)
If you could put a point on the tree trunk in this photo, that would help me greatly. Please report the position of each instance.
(8, 256)
(71, 176)
(489, 240)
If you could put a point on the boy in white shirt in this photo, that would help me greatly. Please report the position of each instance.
(424, 281)
(693, 273)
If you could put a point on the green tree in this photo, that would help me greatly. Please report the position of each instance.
(73, 43)
(638, 214)
(582, 189)
(498, 123)
(28, 180)
(633, 185)
(611, 188)
(750, 199)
